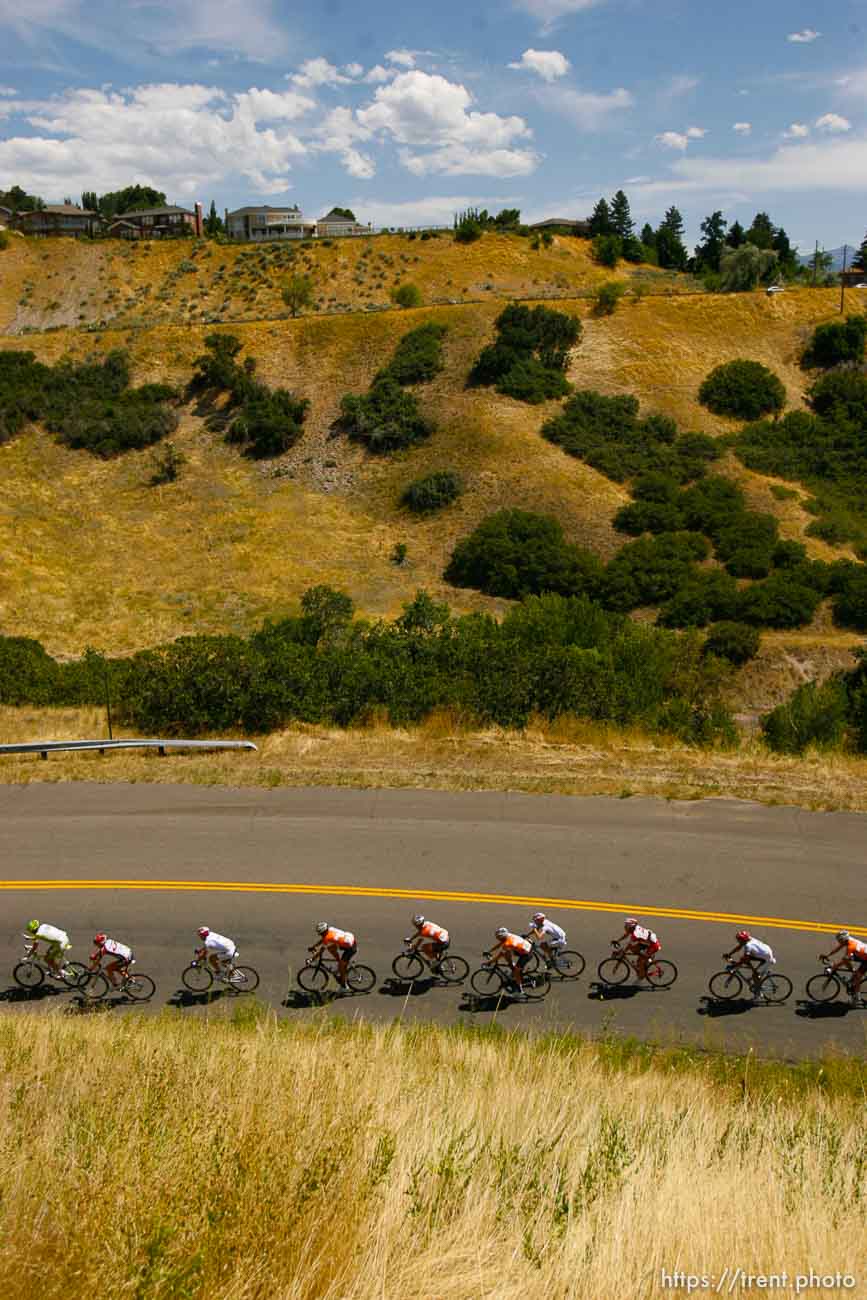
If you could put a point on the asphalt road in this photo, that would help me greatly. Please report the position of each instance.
(150, 863)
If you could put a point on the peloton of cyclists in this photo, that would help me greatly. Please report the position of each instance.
(516, 950)
(56, 944)
(219, 951)
(854, 959)
(430, 938)
(755, 953)
(550, 938)
(339, 944)
(120, 958)
(640, 941)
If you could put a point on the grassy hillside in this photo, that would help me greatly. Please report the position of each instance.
(468, 1165)
(91, 555)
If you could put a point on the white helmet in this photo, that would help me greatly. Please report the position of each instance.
(843, 936)
(539, 916)
(321, 927)
(501, 932)
(418, 920)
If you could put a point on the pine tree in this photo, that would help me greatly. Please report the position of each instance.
(736, 235)
(670, 248)
(862, 255)
(600, 220)
(761, 232)
(621, 217)
(709, 251)
(648, 235)
(673, 221)
(213, 224)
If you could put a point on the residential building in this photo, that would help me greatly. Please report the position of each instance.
(267, 222)
(563, 226)
(6, 215)
(158, 223)
(334, 224)
(58, 219)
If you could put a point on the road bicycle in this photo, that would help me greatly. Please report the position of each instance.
(411, 964)
(200, 975)
(132, 984)
(314, 975)
(617, 968)
(829, 984)
(494, 979)
(563, 962)
(32, 971)
(740, 981)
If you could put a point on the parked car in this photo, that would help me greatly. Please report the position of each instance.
(775, 288)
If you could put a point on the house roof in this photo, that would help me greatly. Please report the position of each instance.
(166, 211)
(559, 221)
(262, 207)
(61, 210)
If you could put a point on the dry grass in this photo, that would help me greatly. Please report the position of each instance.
(337, 1163)
(569, 757)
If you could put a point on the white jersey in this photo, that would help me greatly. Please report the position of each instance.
(112, 948)
(761, 951)
(219, 944)
(51, 934)
(550, 932)
(643, 935)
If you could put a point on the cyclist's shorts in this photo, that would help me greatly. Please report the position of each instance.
(346, 954)
(439, 946)
(521, 959)
(650, 948)
(861, 964)
(55, 950)
(115, 959)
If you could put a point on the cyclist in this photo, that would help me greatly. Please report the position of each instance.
(756, 954)
(854, 959)
(431, 938)
(641, 941)
(218, 950)
(120, 958)
(56, 944)
(550, 937)
(340, 944)
(516, 950)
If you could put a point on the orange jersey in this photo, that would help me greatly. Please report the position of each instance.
(435, 932)
(335, 938)
(856, 949)
(514, 943)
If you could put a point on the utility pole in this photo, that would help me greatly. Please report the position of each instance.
(107, 696)
(815, 263)
(843, 278)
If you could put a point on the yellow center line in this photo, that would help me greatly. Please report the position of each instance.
(434, 895)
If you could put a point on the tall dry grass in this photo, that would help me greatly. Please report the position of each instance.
(173, 1159)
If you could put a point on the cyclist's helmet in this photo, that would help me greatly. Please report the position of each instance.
(32, 927)
(539, 916)
(501, 932)
(321, 927)
(418, 920)
(99, 939)
(203, 932)
(630, 923)
(742, 936)
(842, 936)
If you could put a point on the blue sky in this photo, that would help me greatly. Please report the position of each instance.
(408, 112)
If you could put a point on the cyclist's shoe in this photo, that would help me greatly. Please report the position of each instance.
(518, 995)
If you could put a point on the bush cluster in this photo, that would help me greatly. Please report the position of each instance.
(387, 417)
(264, 421)
(608, 433)
(432, 492)
(836, 343)
(419, 354)
(744, 389)
(88, 405)
(549, 656)
(407, 295)
(528, 358)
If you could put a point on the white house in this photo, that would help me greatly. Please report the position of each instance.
(266, 222)
(336, 223)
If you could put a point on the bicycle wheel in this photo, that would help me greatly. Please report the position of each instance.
(95, 987)
(28, 974)
(661, 974)
(360, 979)
(74, 974)
(534, 962)
(312, 979)
(568, 964)
(487, 981)
(139, 987)
(823, 988)
(726, 985)
(774, 987)
(537, 985)
(243, 979)
(198, 979)
(614, 970)
(408, 966)
(452, 968)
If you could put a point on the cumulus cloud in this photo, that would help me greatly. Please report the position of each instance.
(796, 131)
(547, 64)
(742, 128)
(379, 74)
(586, 109)
(353, 70)
(318, 72)
(833, 123)
(804, 37)
(403, 58)
(433, 209)
(419, 110)
(680, 139)
(340, 133)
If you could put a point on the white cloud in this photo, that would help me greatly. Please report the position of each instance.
(425, 111)
(804, 37)
(353, 70)
(586, 109)
(340, 133)
(403, 58)
(8, 90)
(379, 74)
(695, 133)
(833, 122)
(318, 72)
(680, 139)
(433, 209)
(549, 12)
(742, 128)
(797, 131)
(547, 64)
(854, 83)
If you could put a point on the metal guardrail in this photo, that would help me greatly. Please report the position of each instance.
(46, 747)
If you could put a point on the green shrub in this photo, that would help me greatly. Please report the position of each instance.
(386, 418)
(850, 600)
(746, 545)
(841, 398)
(530, 353)
(468, 229)
(836, 343)
(407, 295)
(607, 250)
(651, 569)
(777, 601)
(167, 465)
(813, 715)
(736, 642)
(515, 553)
(433, 492)
(607, 296)
(529, 381)
(744, 389)
(705, 596)
(270, 422)
(4, 240)
(419, 354)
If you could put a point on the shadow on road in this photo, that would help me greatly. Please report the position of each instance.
(184, 998)
(717, 1007)
(17, 994)
(474, 1002)
(396, 988)
(300, 999)
(618, 992)
(825, 1010)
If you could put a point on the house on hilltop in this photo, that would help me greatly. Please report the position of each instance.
(158, 223)
(563, 226)
(6, 215)
(338, 222)
(58, 219)
(267, 222)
